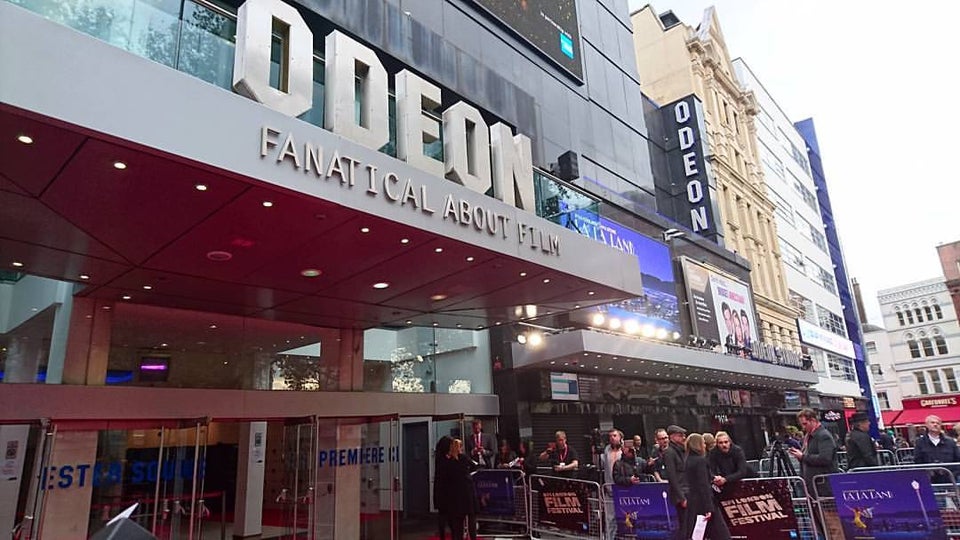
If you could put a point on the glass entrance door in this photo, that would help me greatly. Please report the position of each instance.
(297, 496)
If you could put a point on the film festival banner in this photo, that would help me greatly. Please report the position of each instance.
(563, 504)
(494, 492)
(887, 505)
(721, 307)
(644, 511)
(760, 509)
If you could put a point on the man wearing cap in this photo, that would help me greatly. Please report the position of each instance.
(674, 462)
(861, 451)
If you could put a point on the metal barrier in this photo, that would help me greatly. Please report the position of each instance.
(945, 492)
(549, 492)
(885, 458)
(802, 505)
(503, 509)
(905, 455)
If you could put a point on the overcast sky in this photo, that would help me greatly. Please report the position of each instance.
(878, 78)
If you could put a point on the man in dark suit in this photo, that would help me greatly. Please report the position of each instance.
(861, 450)
(819, 453)
(728, 463)
(674, 459)
(480, 446)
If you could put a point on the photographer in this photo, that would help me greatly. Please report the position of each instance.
(562, 457)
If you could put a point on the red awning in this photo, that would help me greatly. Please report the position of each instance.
(889, 417)
(949, 415)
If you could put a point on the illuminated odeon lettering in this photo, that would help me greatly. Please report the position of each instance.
(477, 156)
(695, 195)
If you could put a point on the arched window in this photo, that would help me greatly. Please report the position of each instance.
(919, 314)
(927, 346)
(938, 311)
(914, 348)
(941, 345)
(909, 316)
(928, 311)
(900, 316)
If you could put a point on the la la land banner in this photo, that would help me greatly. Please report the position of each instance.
(562, 503)
(888, 505)
(644, 512)
(494, 491)
(760, 509)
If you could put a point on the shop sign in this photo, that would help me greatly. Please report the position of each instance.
(482, 158)
(849, 403)
(765, 352)
(832, 416)
(930, 403)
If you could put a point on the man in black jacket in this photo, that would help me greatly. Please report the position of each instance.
(674, 460)
(728, 463)
(861, 450)
(819, 454)
(936, 447)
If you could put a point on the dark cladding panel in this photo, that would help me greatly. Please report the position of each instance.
(690, 183)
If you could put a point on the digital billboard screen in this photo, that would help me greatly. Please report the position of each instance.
(549, 25)
(721, 307)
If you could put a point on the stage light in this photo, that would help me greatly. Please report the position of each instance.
(615, 324)
(522, 339)
(535, 339)
(598, 319)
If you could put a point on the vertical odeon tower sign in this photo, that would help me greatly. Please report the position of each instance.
(692, 187)
(477, 156)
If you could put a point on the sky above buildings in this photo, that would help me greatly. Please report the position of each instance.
(877, 77)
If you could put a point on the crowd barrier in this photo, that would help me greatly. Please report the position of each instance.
(885, 458)
(917, 501)
(565, 508)
(503, 505)
(904, 456)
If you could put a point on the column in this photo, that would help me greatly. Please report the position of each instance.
(88, 342)
(251, 465)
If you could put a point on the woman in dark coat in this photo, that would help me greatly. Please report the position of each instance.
(700, 500)
(456, 490)
(440, 453)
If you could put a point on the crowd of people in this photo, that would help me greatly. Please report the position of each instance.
(699, 468)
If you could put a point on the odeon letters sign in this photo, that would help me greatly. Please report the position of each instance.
(479, 157)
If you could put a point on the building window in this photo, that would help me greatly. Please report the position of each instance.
(804, 306)
(884, 400)
(941, 345)
(951, 378)
(872, 346)
(909, 315)
(939, 313)
(816, 356)
(921, 382)
(929, 313)
(830, 321)
(791, 255)
(782, 208)
(914, 348)
(900, 317)
(935, 379)
(919, 314)
(877, 371)
(841, 368)
(927, 346)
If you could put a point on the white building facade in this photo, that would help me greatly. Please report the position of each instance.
(802, 243)
(886, 380)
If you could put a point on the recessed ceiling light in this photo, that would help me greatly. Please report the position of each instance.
(163, 344)
(409, 322)
(34, 309)
(25, 139)
(591, 293)
(498, 323)
(364, 229)
(213, 327)
(404, 240)
(147, 287)
(219, 256)
(546, 280)
(126, 297)
(267, 204)
(438, 297)
(459, 325)
(84, 276)
(310, 272)
(106, 308)
(381, 285)
(18, 264)
(576, 306)
(200, 187)
(438, 250)
(470, 259)
(523, 274)
(436, 324)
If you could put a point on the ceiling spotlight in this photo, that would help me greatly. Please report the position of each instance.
(212, 327)
(522, 339)
(661, 333)
(598, 319)
(523, 274)
(404, 240)
(676, 336)
(591, 293)
(219, 256)
(546, 280)
(615, 324)
(381, 285)
(470, 258)
(310, 272)
(200, 187)
(648, 330)
(84, 276)
(438, 297)
(267, 204)
(126, 297)
(364, 229)
(18, 264)
(438, 250)
(535, 339)
(119, 165)
(25, 139)
(147, 287)
(436, 324)
(409, 322)
(631, 326)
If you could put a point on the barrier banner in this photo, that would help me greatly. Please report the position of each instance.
(644, 511)
(760, 509)
(563, 503)
(887, 505)
(494, 492)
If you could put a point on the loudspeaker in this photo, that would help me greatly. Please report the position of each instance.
(568, 167)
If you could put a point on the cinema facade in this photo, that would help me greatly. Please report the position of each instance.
(256, 257)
